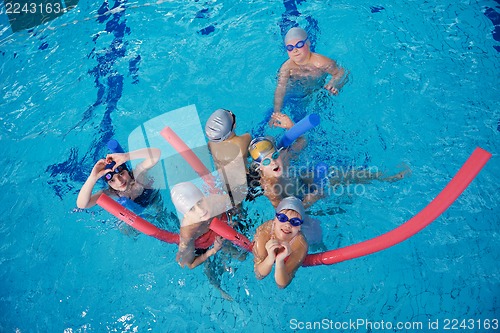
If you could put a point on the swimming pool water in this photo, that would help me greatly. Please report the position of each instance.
(423, 91)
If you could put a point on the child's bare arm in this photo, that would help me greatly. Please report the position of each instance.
(202, 258)
(338, 79)
(279, 93)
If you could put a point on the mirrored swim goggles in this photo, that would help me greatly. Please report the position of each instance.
(300, 44)
(107, 177)
(294, 221)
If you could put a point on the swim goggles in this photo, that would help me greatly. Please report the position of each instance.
(274, 156)
(107, 177)
(300, 44)
(294, 221)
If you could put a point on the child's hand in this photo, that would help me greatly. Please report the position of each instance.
(219, 242)
(118, 158)
(283, 251)
(281, 120)
(271, 246)
(99, 169)
(273, 122)
(331, 88)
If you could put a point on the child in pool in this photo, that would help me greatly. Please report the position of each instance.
(198, 212)
(229, 151)
(122, 182)
(304, 70)
(195, 234)
(224, 144)
(271, 165)
(276, 184)
(279, 239)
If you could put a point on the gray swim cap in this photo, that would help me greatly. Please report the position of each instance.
(295, 33)
(185, 196)
(292, 203)
(220, 125)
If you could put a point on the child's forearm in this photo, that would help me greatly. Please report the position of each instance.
(202, 258)
(338, 79)
(85, 194)
(151, 156)
(264, 268)
(280, 275)
(279, 96)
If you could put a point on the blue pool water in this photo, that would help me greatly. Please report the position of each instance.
(423, 92)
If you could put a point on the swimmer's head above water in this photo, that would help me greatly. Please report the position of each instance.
(189, 201)
(118, 179)
(261, 147)
(291, 203)
(266, 157)
(297, 46)
(220, 125)
(289, 218)
(295, 35)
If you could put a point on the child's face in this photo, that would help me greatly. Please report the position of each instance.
(200, 212)
(297, 55)
(275, 166)
(284, 231)
(120, 181)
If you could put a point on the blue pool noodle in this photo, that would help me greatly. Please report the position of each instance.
(298, 129)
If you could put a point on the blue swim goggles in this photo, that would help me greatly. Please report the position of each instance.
(294, 221)
(107, 177)
(300, 44)
(274, 156)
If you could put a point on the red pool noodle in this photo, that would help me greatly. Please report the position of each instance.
(435, 208)
(135, 221)
(224, 230)
(149, 229)
(190, 157)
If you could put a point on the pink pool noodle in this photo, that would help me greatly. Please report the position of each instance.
(436, 207)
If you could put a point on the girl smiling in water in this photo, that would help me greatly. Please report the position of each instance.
(122, 182)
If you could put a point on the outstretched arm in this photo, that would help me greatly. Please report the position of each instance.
(202, 258)
(279, 93)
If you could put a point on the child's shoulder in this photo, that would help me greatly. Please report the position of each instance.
(264, 230)
(320, 60)
(287, 65)
(301, 243)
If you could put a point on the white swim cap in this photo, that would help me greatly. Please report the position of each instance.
(295, 33)
(185, 196)
(292, 203)
(220, 125)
